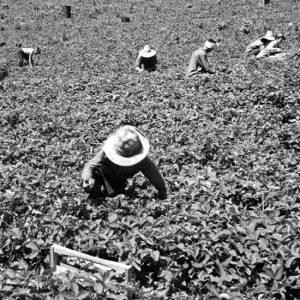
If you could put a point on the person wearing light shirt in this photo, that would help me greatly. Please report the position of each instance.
(26, 54)
(198, 63)
(256, 47)
(273, 47)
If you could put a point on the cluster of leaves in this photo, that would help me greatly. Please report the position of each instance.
(227, 145)
(22, 284)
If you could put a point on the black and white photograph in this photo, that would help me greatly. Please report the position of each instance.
(149, 150)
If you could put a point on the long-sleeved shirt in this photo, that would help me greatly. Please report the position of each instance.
(117, 175)
(26, 53)
(147, 63)
(198, 63)
(258, 44)
(270, 48)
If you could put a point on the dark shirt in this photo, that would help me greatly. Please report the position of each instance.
(146, 62)
(117, 175)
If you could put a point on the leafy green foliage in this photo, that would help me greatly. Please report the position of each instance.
(227, 145)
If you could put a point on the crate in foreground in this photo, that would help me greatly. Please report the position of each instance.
(102, 264)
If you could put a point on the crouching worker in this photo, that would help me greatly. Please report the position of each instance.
(123, 154)
(146, 60)
(272, 49)
(199, 63)
(27, 55)
(259, 45)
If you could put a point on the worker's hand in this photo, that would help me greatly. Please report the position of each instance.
(88, 184)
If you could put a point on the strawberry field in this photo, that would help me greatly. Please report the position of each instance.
(228, 146)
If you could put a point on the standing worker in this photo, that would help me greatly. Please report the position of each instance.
(199, 63)
(123, 154)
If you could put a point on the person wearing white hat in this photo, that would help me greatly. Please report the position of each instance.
(259, 45)
(273, 47)
(146, 60)
(124, 153)
(198, 62)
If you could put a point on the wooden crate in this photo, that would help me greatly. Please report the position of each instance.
(101, 264)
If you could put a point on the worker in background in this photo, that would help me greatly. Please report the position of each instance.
(259, 45)
(146, 60)
(198, 62)
(26, 54)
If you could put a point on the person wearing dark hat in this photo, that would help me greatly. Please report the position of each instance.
(146, 60)
(259, 45)
(198, 62)
(27, 55)
(123, 154)
(273, 47)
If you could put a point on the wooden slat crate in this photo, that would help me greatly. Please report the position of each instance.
(102, 264)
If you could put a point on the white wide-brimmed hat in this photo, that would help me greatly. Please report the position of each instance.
(269, 36)
(147, 52)
(126, 146)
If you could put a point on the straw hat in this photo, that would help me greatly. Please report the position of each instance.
(147, 52)
(126, 147)
(269, 36)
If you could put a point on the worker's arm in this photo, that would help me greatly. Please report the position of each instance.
(151, 172)
(138, 64)
(87, 174)
(202, 59)
(30, 59)
(253, 46)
